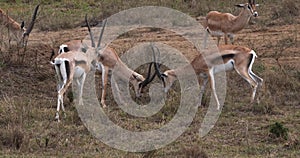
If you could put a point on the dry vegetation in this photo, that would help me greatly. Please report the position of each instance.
(28, 86)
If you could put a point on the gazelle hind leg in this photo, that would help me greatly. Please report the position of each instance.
(259, 82)
(60, 100)
(246, 75)
(202, 90)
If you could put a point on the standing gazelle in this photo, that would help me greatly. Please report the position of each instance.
(71, 65)
(17, 28)
(225, 24)
(236, 58)
(109, 60)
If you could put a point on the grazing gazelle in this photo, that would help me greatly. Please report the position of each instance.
(225, 24)
(236, 58)
(16, 28)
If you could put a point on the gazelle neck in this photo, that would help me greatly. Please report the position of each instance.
(242, 20)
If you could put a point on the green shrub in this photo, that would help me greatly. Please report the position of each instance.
(277, 130)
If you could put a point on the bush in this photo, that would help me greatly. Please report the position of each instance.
(278, 131)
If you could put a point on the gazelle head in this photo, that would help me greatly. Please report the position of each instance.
(250, 7)
(93, 50)
(137, 80)
(27, 31)
(167, 78)
(141, 84)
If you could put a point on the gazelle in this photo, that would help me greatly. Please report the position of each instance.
(109, 60)
(236, 58)
(225, 24)
(71, 65)
(16, 28)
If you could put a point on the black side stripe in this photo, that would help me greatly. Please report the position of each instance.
(226, 56)
(67, 68)
(250, 60)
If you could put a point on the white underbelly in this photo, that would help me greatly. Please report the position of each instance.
(224, 67)
(219, 33)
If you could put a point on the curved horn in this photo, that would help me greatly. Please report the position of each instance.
(157, 67)
(101, 34)
(148, 78)
(90, 31)
(30, 27)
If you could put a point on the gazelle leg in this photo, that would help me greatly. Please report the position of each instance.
(205, 39)
(259, 82)
(202, 90)
(80, 85)
(59, 98)
(244, 73)
(231, 37)
(219, 38)
(225, 38)
(104, 84)
(213, 87)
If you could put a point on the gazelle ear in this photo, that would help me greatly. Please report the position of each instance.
(240, 5)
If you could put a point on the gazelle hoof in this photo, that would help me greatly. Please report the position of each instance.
(57, 117)
(65, 115)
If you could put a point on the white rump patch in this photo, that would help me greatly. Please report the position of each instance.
(61, 48)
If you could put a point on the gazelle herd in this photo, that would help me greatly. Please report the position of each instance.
(75, 59)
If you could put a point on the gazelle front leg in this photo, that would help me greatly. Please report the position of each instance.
(213, 86)
(104, 84)
(225, 38)
(59, 99)
(231, 37)
(80, 85)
